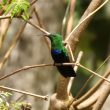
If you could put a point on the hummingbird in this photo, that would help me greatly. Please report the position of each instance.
(60, 55)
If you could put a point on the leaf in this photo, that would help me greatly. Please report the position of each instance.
(7, 94)
(0, 6)
(18, 8)
(26, 3)
(9, 8)
(24, 17)
(4, 1)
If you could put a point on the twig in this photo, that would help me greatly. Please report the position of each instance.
(70, 20)
(103, 94)
(37, 27)
(75, 67)
(38, 18)
(23, 69)
(88, 102)
(91, 14)
(24, 92)
(17, 37)
(4, 28)
(9, 17)
(20, 98)
(57, 64)
(103, 63)
(34, 1)
(70, 51)
(5, 17)
(96, 96)
(41, 25)
(62, 87)
(93, 72)
(64, 22)
(85, 84)
(93, 89)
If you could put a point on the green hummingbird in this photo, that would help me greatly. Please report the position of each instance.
(60, 55)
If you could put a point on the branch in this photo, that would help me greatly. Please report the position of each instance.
(88, 102)
(4, 28)
(17, 37)
(82, 21)
(88, 80)
(63, 88)
(73, 40)
(75, 69)
(24, 92)
(37, 27)
(71, 13)
(5, 17)
(34, 1)
(92, 90)
(93, 72)
(103, 94)
(41, 25)
(93, 5)
(98, 98)
(38, 18)
(64, 21)
(57, 64)
(23, 69)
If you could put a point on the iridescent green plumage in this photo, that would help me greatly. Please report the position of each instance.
(60, 55)
(56, 43)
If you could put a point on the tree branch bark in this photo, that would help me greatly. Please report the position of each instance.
(79, 31)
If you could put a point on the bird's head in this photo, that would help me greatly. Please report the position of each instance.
(56, 40)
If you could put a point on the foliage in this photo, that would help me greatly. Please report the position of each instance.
(21, 106)
(16, 8)
(5, 105)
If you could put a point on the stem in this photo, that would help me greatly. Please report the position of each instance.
(88, 80)
(93, 89)
(75, 69)
(57, 64)
(39, 28)
(13, 44)
(24, 92)
(42, 26)
(34, 1)
(94, 73)
(91, 14)
(5, 17)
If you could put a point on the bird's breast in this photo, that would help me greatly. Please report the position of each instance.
(56, 51)
(59, 56)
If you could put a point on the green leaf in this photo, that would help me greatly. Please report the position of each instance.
(18, 8)
(9, 8)
(0, 6)
(4, 1)
(24, 17)
(7, 94)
